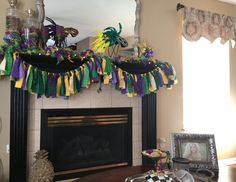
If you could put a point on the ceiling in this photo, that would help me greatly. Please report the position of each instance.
(229, 1)
(89, 16)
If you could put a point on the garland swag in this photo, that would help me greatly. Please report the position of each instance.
(130, 80)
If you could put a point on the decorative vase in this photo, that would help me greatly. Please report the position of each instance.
(13, 23)
(12, 17)
(30, 30)
(42, 169)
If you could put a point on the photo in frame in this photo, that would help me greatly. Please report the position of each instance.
(200, 149)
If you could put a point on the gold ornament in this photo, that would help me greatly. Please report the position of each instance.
(42, 169)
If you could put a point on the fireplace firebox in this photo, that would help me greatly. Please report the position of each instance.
(82, 141)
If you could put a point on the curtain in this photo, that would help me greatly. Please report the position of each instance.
(198, 23)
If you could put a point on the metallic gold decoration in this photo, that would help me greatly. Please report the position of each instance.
(59, 121)
(72, 31)
(42, 169)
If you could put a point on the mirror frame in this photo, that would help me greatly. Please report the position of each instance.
(19, 113)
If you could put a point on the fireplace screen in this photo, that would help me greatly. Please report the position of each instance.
(81, 141)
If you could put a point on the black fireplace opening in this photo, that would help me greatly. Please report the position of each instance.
(84, 141)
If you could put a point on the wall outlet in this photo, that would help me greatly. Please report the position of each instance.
(7, 148)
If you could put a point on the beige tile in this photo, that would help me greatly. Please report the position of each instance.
(137, 149)
(120, 100)
(137, 162)
(29, 163)
(136, 101)
(34, 102)
(137, 115)
(137, 133)
(94, 86)
(101, 99)
(81, 99)
(33, 141)
(34, 121)
(49, 103)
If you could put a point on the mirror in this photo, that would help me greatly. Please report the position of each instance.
(88, 17)
(63, 15)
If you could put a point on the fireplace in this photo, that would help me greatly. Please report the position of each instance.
(82, 141)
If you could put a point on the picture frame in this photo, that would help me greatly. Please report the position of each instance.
(200, 149)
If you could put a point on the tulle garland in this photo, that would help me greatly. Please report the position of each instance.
(31, 78)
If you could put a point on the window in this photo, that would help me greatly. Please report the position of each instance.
(206, 88)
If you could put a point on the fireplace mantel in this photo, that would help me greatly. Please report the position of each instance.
(19, 104)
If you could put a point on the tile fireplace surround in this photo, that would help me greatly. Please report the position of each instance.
(87, 98)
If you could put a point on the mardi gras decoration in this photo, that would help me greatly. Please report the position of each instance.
(142, 75)
(42, 169)
(57, 33)
(56, 71)
(110, 37)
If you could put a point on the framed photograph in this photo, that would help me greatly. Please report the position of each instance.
(200, 149)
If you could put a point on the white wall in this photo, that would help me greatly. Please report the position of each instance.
(161, 28)
(5, 91)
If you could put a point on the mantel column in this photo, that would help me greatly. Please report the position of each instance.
(18, 134)
(149, 121)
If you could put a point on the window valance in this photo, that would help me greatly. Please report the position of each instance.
(199, 23)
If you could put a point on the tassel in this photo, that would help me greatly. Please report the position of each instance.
(158, 79)
(98, 65)
(3, 66)
(77, 80)
(47, 89)
(86, 79)
(58, 85)
(134, 83)
(117, 78)
(41, 87)
(54, 85)
(48, 86)
(108, 67)
(22, 70)
(164, 78)
(51, 86)
(30, 78)
(129, 86)
(140, 85)
(114, 77)
(35, 85)
(26, 67)
(146, 84)
(19, 83)
(62, 88)
(67, 86)
(94, 73)
(44, 77)
(15, 68)
(71, 83)
(124, 91)
(9, 61)
(152, 86)
(121, 79)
